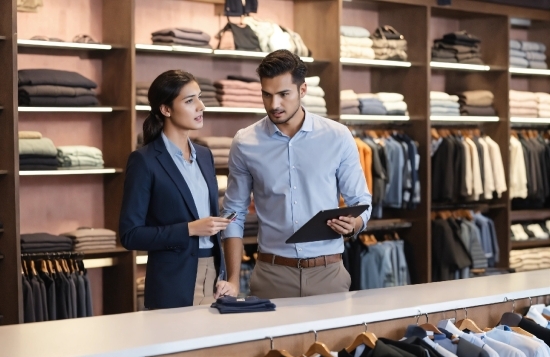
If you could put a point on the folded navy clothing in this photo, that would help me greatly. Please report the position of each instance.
(45, 248)
(54, 91)
(33, 77)
(461, 38)
(38, 238)
(163, 40)
(183, 33)
(81, 101)
(47, 161)
(24, 167)
(230, 304)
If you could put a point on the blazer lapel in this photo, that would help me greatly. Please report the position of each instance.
(168, 164)
(209, 174)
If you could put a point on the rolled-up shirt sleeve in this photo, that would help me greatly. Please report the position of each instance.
(239, 188)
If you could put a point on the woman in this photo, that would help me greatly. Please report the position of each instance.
(170, 203)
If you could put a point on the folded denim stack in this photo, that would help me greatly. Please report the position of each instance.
(457, 47)
(355, 42)
(476, 103)
(369, 104)
(442, 103)
(54, 88)
(314, 100)
(388, 44)
(393, 102)
(92, 238)
(181, 36)
(142, 90)
(527, 54)
(36, 152)
(231, 305)
(543, 104)
(44, 242)
(219, 145)
(79, 157)
(239, 92)
(523, 104)
(349, 103)
(208, 92)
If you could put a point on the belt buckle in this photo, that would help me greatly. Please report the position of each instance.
(299, 262)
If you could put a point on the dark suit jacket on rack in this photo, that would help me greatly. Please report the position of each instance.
(156, 209)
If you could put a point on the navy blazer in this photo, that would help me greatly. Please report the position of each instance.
(156, 208)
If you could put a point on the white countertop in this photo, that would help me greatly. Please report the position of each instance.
(175, 330)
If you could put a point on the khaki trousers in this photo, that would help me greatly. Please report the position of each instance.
(270, 281)
(206, 279)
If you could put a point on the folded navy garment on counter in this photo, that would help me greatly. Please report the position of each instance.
(233, 305)
(33, 77)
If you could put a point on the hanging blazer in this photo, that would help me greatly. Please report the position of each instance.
(156, 209)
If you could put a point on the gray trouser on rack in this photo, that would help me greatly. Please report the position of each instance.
(271, 281)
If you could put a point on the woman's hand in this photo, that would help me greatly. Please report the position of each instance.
(225, 288)
(208, 226)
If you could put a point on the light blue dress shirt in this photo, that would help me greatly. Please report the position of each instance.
(192, 175)
(292, 179)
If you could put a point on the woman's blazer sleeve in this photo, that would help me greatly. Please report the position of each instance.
(134, 234)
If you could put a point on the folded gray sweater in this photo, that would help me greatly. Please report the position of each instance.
(42, 147)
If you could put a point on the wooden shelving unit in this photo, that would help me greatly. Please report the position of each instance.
(534, 243)
(530, 215)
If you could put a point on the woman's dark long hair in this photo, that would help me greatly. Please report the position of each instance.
(164, 89)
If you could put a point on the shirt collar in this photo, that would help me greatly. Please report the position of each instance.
(307, 125)
(174, 150)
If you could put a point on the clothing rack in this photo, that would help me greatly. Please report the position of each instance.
(49, 255)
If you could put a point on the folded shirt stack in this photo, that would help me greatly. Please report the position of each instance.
(36, 152)
(442, 103)
(55, 88)
(524, 104)
(232, 305)
(527, 54)
(219, 145)
(181, 36)
(528, 231)
(314, 100)
(251, 225)
(355, 42)
(530, 259)
(476, 103)
(79, 156)
(349, 103)
(457, 47)
(142, 90)
(208, 92)
(369, 104)
(393, 102)
(44, 242)
(388, 44)
(543, 104)
(92, 238)
(239, 92)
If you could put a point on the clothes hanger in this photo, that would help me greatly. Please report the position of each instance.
(428, 326)
(366, 338)
(318, 348)
(512, 320)
(468, 324)
(277, 353)
(25, 268)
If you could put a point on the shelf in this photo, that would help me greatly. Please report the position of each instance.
(373, 62)
(534, 121)
(462, 67)
(3, 172)
(386, 224)
(532, 243)
(65, 172)
(352, 119)
(529, 215)
(216, 110)
(176, 49)
(68, 109)
(463, 119)
(481, 206)
(529, 72)
(62, 45)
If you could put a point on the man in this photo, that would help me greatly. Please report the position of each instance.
(296, 164)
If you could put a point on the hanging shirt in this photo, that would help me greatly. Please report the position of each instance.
(525, 344)
(503, 349)
(488, 179)
(498, 166)
(518, 173)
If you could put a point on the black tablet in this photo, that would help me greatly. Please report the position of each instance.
(316, 228)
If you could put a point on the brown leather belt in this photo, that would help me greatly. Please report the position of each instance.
(323, 260)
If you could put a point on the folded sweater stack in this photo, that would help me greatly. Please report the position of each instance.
(219, 146)
(181, 36)
(523, 104)
(355, 42)
(349, 103)
(239, 92)
(142, 90)
(543, 104)
(393, 102)
(369, 104)
(208, 92)
(476, 103)
(44, 242)
(54, 88)
(314, 100)
(388, 44)
(36, 152)
(457, 47)
(442, 103)
(79, 156)
(92, 238)
(527, 54)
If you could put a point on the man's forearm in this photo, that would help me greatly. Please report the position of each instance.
(233, 251)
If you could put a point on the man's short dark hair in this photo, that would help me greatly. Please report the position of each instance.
(280, 62)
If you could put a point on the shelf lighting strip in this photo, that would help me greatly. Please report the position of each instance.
(530, 120)
(372, 62)
(67, 45)
(66, 109)
(216, 109)
(353, 117)
(464, 66)
(534, 71)
(463, 118)
(63, 172)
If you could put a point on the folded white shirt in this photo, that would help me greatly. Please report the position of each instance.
(529, 104)
(355, 41)
(435, 95)
(314, 101)
(390, 97)
(395, 105)
(348, 94)
(522, 95)
(357, 52)
(537, 231)
(543, 97)
(519, 232)
(313, 81)
(315, 91)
